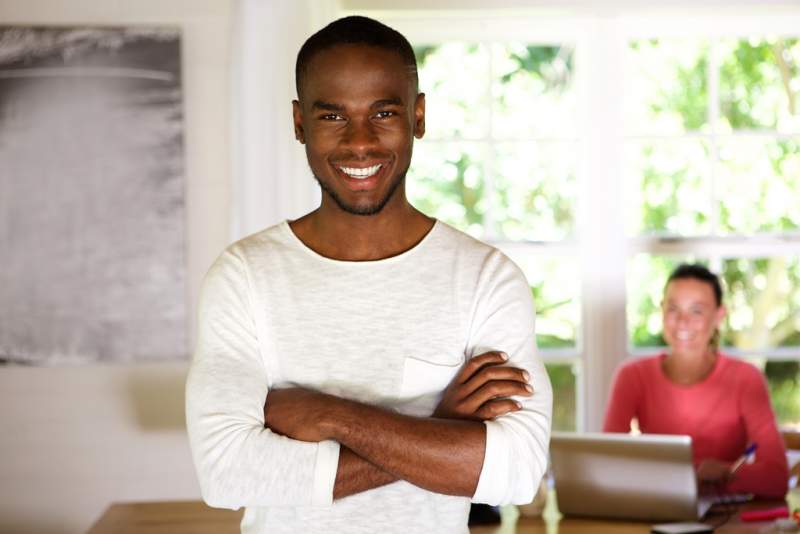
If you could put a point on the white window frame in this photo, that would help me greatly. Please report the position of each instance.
(601, 243)
(759, 22)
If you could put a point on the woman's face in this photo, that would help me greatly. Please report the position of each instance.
(690, 315)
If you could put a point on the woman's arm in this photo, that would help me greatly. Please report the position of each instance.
(768, 476)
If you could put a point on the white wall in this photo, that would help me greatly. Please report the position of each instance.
(76, 439)
(72, 440)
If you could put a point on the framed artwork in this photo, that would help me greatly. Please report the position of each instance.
(92, 203)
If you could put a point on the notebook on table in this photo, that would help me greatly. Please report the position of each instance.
(648, 477)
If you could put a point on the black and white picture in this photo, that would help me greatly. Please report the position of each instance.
(91, 195)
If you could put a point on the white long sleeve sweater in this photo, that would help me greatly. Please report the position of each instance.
(393, 333)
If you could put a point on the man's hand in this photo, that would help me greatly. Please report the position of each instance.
(298, 413)
(481, 389)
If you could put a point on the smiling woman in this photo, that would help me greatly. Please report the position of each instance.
(692, 312)
(693, 389)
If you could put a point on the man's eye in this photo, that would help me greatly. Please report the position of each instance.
(385, 114)
(332, 117)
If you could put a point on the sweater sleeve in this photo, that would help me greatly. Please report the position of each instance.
(515, 458)
(624, 400)
(768, 476)
(239, 462)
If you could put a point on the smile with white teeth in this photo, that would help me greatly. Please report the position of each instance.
(360, 174)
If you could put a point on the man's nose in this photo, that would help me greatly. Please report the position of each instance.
(360, 136)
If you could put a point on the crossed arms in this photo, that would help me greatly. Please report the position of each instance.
(443, 453)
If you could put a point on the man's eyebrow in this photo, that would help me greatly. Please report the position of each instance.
(394, 101)
(327, 106)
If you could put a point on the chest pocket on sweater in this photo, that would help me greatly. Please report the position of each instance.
(425, 375)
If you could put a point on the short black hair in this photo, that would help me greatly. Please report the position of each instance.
(355, 30)
(697, 271)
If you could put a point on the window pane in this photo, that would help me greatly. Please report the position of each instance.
(535, 190)
(533, 91)
(783, 381)
(446, 181)
(669, 186)
(759, 184)
(562, 376)
(555, 286)
(452, 77)
(760, 84)
(763, 301)
(666, 86)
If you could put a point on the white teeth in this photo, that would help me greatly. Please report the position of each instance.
(360, 174)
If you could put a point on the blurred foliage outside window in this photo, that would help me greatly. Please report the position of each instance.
(703, 168)
(497, 161)
(563, 377)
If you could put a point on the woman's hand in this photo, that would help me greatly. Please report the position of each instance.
(713, 472)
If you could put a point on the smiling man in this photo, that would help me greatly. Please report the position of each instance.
(364, 368)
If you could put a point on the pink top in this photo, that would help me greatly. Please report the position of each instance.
(723, 414)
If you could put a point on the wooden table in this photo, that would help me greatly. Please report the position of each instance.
(179, 517)
(194, 517)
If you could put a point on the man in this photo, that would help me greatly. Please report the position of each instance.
(348, 375)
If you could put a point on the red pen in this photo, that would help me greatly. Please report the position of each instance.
(764, 515)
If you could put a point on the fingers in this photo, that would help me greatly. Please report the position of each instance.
(476, 363)
(495, 389)
(496, 408)
(482, 388)
(491, 374)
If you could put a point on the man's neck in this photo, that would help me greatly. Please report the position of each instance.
(338, 235)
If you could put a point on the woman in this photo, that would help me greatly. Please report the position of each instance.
(721, 402)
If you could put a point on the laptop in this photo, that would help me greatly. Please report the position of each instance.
(648, 477)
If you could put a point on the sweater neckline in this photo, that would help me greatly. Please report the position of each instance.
(298, 243)
(715, 371)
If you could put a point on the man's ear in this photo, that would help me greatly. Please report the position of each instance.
(419, 116)
(297, 115)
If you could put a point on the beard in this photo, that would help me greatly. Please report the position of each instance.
(369, 209)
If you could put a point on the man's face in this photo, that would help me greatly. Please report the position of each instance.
(358, 114)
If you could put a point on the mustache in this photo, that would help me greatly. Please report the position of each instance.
(351, 157)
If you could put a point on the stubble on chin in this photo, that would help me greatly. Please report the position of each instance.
(367, 210)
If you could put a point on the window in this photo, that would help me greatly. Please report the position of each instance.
(600, 151)
(712, 164)
(491, 171)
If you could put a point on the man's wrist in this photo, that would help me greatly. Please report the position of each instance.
(333, 423)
